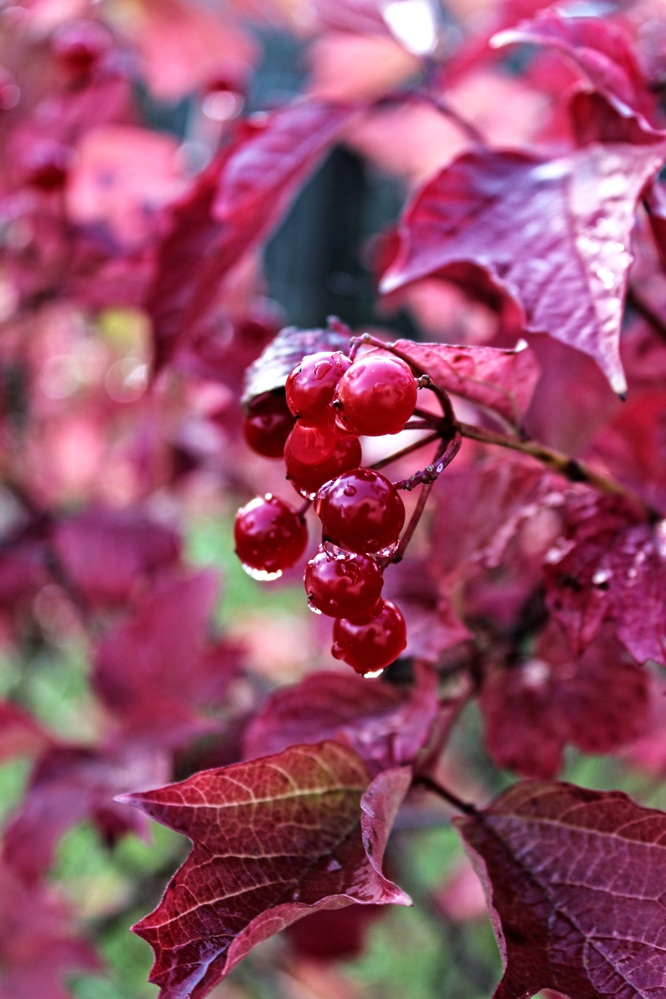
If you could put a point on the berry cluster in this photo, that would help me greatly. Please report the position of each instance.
(329, 402)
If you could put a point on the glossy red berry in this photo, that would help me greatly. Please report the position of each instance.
(343, 586)
(267, 424)
(311, 384)
(371, 643)
(376, 395)
(270, 536)
(360, 510)
(308, 477)
(310, 444)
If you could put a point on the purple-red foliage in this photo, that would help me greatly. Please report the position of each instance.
(135, 331)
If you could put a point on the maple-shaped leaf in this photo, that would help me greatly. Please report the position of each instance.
(232, 205)
(385, 725)
(39, 949)
(609, 565)
(501, 381)
(574, 882)
(600, 49)
(273, 840)
(552, 235)
(157, 667)
(532, 709)
(270, 370)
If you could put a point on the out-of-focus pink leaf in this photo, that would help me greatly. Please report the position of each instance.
(553, 235)
(386, 726)
(600, 49)
(531, 710)
(121, 177)
(38, 947)
(501, 381)
(610, 566)
(70, 784)
(20, 733)
(232, 205)
(156, 668)
(273, 840)
(564, 871)
(108, 553)
(185, 46)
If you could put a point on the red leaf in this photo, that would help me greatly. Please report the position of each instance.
(38, 949)
(285, 351)
(69, 784)
(564, 871)
(609, 566)
(155, 668)
(501, 381)
(274, 839)
(600, 49)
(480, 512)
(532, 709)
(106, 553)
(553, 235)
(234, 204)
(386, 726)
(19, 732)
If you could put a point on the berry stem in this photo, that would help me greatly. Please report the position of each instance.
(570, 468)
(409, 449)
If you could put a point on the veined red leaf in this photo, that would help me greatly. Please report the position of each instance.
(564, 871)
(610, 566)
(274, 840)
(501, 381)
(598, 702)
(553, 235)
(386, 726)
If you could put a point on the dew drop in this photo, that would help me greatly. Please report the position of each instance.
(600, 577)
(372, 674)
(261, 574)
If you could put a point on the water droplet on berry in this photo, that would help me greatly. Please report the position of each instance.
(315, 610)
(261, 574)
(372, 674)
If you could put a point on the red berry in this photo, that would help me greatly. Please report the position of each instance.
(371, 643)
(307, 478)
(267, 424)
(80, 45)
(347, 586)
(311, 445)
(311, 384)
(376, 395)
(270, 536)
(360, 510)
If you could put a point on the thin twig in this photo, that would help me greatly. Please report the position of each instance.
(570, 468)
